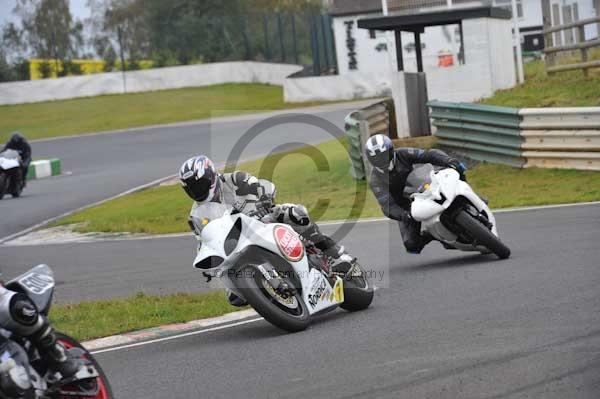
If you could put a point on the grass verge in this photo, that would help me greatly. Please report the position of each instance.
(564, 89)
(119, 111)
(88, 320)
(330, 193)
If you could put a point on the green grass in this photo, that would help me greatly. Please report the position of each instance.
(563, 89)
(96, 319)
(165, 209)
(94, 114)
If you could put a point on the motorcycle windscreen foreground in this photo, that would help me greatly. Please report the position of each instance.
(451, 212)
(21, 356)
(12, 180)
(285, 279)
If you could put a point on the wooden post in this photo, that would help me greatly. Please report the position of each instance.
(548, 42)
(584, 54)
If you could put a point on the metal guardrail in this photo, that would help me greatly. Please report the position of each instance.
(481, 132)
(561, 137)
(529, 137)
(360, 125)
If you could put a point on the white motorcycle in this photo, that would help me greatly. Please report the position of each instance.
(451, 212)
(284, 278)
(12, 180)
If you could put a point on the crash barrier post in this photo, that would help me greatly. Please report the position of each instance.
(481, 132)
(362, 124)
(44, 168)
(357, 170)
(528, 137)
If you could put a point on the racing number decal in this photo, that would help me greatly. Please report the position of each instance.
(289, 243)
(37, 283)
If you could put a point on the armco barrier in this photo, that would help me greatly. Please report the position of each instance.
(561, 137)
(360, 125)
(482, 132)
(528, 137)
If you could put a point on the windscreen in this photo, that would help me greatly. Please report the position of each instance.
(9, 154)
(205, 213)
(420, 175)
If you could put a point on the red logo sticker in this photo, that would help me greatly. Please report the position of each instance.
(289, 243)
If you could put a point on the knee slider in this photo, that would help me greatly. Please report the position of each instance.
(299, 215)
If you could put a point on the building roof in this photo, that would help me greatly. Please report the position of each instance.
(418, 21)
(354, 7)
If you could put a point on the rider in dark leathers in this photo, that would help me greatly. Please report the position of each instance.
(18, 143)
(20, 315)
(390, 170)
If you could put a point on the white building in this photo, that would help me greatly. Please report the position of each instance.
(370, 48)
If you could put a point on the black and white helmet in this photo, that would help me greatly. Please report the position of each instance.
(379, 150)
(200, 179)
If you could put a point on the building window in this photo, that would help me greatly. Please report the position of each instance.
(507, 4)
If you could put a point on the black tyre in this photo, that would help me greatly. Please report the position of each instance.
(17, 184)
(358, 291)
(288, 314)
(3, 184)
(104, 391)
(482, 235)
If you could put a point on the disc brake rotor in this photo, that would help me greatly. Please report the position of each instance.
(290, 303)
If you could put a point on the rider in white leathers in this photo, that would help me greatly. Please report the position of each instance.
(249, 195)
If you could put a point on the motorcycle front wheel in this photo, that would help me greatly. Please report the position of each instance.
(289, 314)
(482, 235)
(3, 184)
(100, 385)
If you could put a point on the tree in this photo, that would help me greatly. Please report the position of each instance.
(49, 30)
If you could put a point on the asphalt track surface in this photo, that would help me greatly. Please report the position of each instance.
(444, 324)
(100, 166)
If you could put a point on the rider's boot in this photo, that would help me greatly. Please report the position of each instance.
(235, 300)
(340, 260)
(59, 361)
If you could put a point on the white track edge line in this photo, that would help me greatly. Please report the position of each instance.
(172, 337)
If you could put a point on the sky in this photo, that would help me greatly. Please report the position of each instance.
(79, 10)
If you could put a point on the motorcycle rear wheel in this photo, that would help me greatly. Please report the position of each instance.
(255, 289)
(358, 291)
(482, 234)
(104, 389)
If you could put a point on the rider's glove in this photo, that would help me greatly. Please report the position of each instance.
(264, 206)
(460, 167)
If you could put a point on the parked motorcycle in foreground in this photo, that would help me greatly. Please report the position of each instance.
(21, 356)
(284, 278)
(451, 212)
(12, 180)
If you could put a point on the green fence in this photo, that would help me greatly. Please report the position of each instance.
(482, 132)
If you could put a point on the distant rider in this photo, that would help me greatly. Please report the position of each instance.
(18, 143)
(388, 179)
(247, 194)
(20, 315)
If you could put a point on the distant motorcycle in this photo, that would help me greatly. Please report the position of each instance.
(284, 278)
(12, 180)
(451, 212)
(21, 356)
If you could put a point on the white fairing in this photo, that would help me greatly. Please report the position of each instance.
(317, 291)
(9, 159)
(444, 188)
